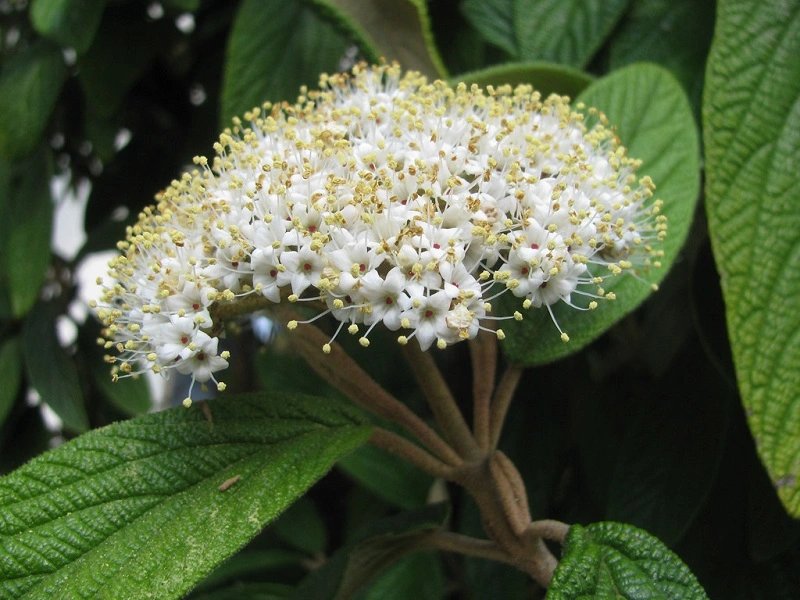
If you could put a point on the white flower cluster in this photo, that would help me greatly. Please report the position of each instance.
(384, 199)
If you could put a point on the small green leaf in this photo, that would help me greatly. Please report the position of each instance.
(70, 23)
(130, 395)
(751, 125)
(50, 370)
(417, 576)
(147, 507)
(10, 374)
(564, 31)
(547, 78)
(654, 120)
(494, 20)
(378, 546)
(399, 29)
(273, 49)
(391, 478)
(30, 83)
(302, 527)
(123, 49)
(28, 243)
(613, 560)
(251, 563)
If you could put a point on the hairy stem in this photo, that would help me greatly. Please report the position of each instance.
(445, 409)
(483, 354)
(502, 401)
(341, 371)
(400, 446)
(449, 541)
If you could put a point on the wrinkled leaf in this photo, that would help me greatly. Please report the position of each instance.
(10, 374)
(51, 370)
(273, 49)
(564, 31)
(147, 507)
(751, 123)
(547, 78)
(399, 29)
(70, 23)
(30, 83)
(379, 545)
(613, 560)
(654, 121)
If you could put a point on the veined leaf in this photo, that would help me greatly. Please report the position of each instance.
(147, 507)
(273, 49)
(654, 121)
(751, 124)
(494, 20)
(564, 31)
(609, 561)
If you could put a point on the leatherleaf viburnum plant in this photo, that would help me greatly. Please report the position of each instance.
(437, 315)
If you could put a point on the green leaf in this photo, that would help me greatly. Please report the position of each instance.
(10, 374)
(302, 527)
(613, 560)
(185, 5)
(51, 370)
(27, 253)
(673, 33)
(494, 20)
(417, 576)
(751, 124)
(123, 49)
(70, 23)
(252, 563)
(547, 78)
(564, 31)
(364, 557)
(147, 507)
(391, 478)
(399, 29)
(273, 49)
(654, 120)
(30, 83)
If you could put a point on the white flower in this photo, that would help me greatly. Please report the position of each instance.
(384, 200)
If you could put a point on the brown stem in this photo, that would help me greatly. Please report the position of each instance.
(502, 400)
(483, 353)
(341, 371)
(445, 410)
(449, 541)
(400, 446)
(549, 529)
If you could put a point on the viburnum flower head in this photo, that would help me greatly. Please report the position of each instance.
(384, 199)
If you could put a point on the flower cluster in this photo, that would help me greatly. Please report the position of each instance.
(384, 199)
